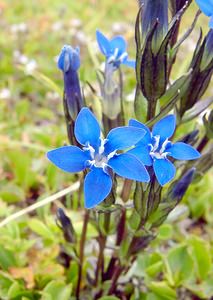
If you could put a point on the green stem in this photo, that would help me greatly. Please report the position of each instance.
(81, 252)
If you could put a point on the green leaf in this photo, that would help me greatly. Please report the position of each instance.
(201, 255)
(165, 232)
(179, 265)
(41, 229)
(108, 298)
(7, 258)
(198, 108)
(162, 289)
(57, 290)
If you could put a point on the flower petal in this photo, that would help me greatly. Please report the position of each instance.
(119, 43)
(164, 170)
(128, 166)
(97, 186)
(205, 6)
(211, 21)
(147, 137)
(124, 137)
(183, 151)
(103, 43)
(69, 158)
(142, 153)
(87, 129)
(165, 127)
(129, 63)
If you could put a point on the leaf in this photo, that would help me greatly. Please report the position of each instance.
(57, 290)
(41, 229)
(165, 232)
(198, 108)
(7, 258)
(201, 255)
(179, 265)
(108, 298)
(162, 289)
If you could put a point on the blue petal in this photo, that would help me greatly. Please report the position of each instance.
(128, 166)
(118, 42)
(97, 186)
(164, 170)
(165, 127)
(87, 129)
(147, 137)
(205, 6)
(69, 58)
(103, 43)
(124, 137)
(211, 21)
(69, 158)
(129, 63)
(142, 153)
(183, 151)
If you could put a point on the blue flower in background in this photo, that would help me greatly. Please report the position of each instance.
(206, 6)
(155, 147)
(100, 156)
(114, 50)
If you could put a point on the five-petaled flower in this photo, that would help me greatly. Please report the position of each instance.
(114, 50)
(100, 156)
(155, 147)
(206, 6)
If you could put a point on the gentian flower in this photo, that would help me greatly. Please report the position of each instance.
(206, 6)
(114, 50)
(100, 156)
(69, 63)
(154, 148)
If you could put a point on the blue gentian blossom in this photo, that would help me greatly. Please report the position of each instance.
(114, 50)
(155, 147)
(206, 6)
(100, 156)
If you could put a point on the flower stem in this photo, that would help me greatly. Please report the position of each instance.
(81, 252)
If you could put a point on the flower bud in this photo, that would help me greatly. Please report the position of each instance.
(155, 11)
(69, 63)
(202, 70)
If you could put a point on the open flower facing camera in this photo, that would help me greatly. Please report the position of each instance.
(155, 148)
(100, 156)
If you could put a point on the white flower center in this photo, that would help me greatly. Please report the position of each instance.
(100, 159)
(114, 57)
(157, 153)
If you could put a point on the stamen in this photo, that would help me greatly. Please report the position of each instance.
(157, 141)
(123, 56)
(163, 147)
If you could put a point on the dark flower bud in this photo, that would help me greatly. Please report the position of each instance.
(180, 187)
(66, 226)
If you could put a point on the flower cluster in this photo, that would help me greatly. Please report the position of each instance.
(102, 158)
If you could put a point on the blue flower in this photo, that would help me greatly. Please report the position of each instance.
(69, 63)
(100, 156)
(114, 50)
(154, 148)
(206, 6)
(69, 58)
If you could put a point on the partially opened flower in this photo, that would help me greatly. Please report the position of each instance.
(114, 50)
(206, 6)
(100, 156)
(155, 147)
